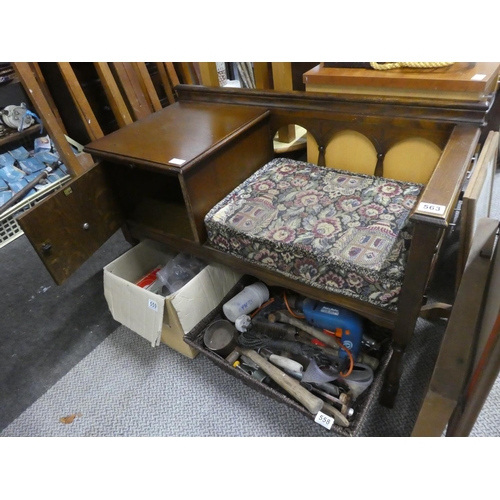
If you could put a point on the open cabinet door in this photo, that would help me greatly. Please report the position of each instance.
(69, 226)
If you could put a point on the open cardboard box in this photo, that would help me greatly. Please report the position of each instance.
(156, 318)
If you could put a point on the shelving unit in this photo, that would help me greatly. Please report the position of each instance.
(15, 136)
(12, 93)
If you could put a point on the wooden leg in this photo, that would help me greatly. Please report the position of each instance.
(424, 241)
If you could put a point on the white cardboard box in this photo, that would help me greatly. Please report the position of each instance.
(156, 318)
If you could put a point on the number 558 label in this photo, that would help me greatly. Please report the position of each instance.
(324, 420)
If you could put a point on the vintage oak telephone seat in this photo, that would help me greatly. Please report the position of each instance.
(166, 177)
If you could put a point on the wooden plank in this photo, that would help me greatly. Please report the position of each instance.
(33, 89)
(482, 381)
(132, 89)
(476, 202)
(167, 86)
(172, 74)
(434, 415)
(113, 94)
(46, 92)
(282, 76)
(282, 80)
(189, 74)
(455, 358)
(209, 76)
(147, 85)
(82, 104)
(262, 75)
(486, 357)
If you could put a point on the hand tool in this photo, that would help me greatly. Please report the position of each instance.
(250, 368)
(26, 189)
(340, 420)
(312, 403)
(344, 406)
(331, 389)
(286, 363)
(302, 326)
(232, 356)
(284, 317)
(280, 331)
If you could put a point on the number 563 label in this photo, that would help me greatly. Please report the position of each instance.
(324, 420)
(431, 208)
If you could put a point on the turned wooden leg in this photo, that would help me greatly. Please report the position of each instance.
(418, 267)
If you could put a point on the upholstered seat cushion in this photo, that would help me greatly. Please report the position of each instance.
(336, 230)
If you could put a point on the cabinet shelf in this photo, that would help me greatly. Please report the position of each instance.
(16, 136)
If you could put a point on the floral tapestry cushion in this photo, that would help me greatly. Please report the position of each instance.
(336, 230)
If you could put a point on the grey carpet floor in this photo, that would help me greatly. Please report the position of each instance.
(124, 387)
(127, 388)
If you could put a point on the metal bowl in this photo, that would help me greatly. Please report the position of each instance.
(220, 337)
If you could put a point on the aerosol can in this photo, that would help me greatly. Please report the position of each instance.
(344, 323)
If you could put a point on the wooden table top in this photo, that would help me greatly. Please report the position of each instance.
(474, 78)
(174, 137)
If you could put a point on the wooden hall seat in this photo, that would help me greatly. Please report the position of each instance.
(234, 131)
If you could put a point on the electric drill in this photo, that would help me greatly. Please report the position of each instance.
(344, 323)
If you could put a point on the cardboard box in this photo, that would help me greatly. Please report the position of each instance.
(152, 316)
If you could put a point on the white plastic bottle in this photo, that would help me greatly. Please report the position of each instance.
(249, 299)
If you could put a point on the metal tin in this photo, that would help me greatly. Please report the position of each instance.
(220, 337)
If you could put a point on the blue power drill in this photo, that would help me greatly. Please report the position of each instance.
(324, 316)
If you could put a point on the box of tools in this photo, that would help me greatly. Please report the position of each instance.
(264, 344)
(137, 300)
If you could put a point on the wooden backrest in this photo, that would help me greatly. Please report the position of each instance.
(412, 158)
(371, 138)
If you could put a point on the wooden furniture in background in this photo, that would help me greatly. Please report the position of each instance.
(27, 75)
(476, 200)
(469, 357)
(86, 113)
(209, 76)
(128, 88)
(116, 100)
(461, 81)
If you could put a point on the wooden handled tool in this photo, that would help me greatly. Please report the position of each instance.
(287, 364)
(290, 385)
(283, 317)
